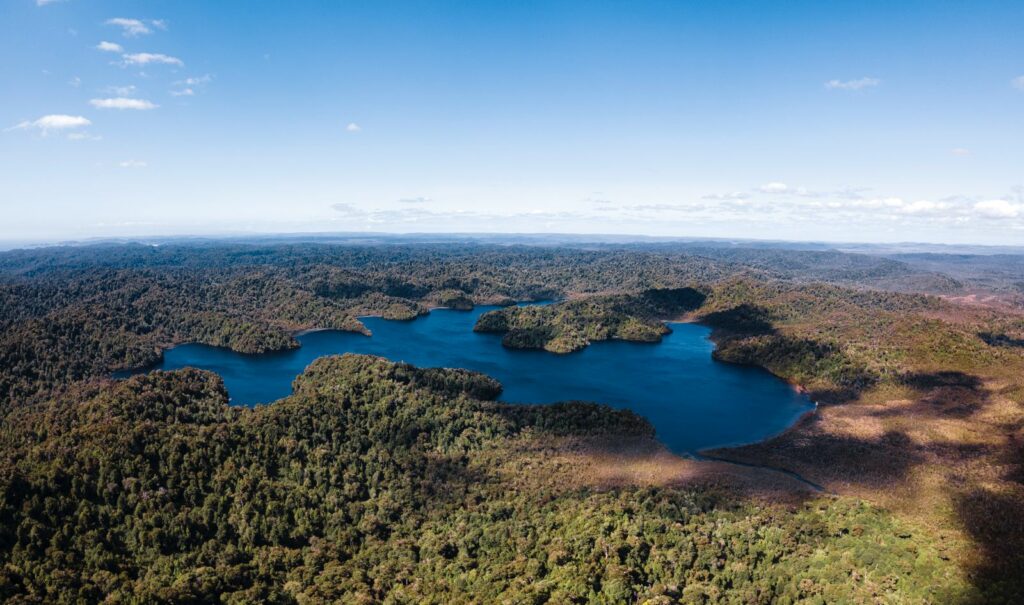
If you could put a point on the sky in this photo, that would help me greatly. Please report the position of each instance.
(826, 121)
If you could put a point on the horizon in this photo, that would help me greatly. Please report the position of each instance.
(857, 123)
(552, 239)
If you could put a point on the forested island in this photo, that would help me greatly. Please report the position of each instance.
(569, 326)
(381, 482)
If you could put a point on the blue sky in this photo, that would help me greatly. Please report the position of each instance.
(857, 121)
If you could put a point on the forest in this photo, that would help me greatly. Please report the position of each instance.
(381, 482)
(569, 326)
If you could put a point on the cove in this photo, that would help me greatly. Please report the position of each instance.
(693, 401)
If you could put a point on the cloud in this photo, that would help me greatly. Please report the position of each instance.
(773, 187)
(121, 91)
(923, 207)
(83, 136)
(734, 195)
(852, 84)
(998, 209)
(53, 122)
(46, 2)
(414, 200)
(109, 47)
(132, 164)
(348, 210)
(123, 103)
(197, 81)
(75, 82)
(1018, 82)
(353, 127)
(960, 151)
(147, 58)
(188, 86)
(135, 27)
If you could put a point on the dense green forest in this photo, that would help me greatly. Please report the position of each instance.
(569, 326)
(377, 482)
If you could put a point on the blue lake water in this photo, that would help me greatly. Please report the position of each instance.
(693, 401)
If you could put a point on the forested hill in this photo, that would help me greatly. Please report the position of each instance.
(153, 489)
(74, 312)
(380, 482)
(569, 326)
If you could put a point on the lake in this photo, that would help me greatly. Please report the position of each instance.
(693, 401)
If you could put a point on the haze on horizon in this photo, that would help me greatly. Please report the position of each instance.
(841, 121)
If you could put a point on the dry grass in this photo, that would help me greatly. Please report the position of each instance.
(609, 462)
(947, 457)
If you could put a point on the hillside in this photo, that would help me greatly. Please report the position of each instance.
(378, 482)
(373, 470)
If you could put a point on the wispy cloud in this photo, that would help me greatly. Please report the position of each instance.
(83, 136)
(857, 84)
(996, 209)
(196, 81)
(132, 164)
(188, 86)
(135, 27)
(109, 47)
(414, 200)
(46, 2)
(147, 58)
(53, 122)
(774, 187)
(348, 210)
(733, 195)
(121, 91)
(352, 127)
(960, 151)
(123, 103)
(1018, 82)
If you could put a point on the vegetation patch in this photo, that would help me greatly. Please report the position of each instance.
(571, 325)
(380, 482)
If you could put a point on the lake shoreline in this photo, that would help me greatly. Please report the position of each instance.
(678, 406)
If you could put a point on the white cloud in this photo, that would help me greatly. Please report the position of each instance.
(121, 91)
(1018, 82)
(348, 210)
(75, 82)
(83, 136)
(122, 103)
(353, 127)
(45, 2)
(857, 84)
(109, 47)
(188, 86)
(733, 195)
(130, 27)
(53, 122)
(414, 200)
(147, 58)
(773, 187)
(998, 209)
(923, 207)
(960, 151)
(875, 203)
(132, 164)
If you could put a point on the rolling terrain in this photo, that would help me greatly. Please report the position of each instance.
(153, 489)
